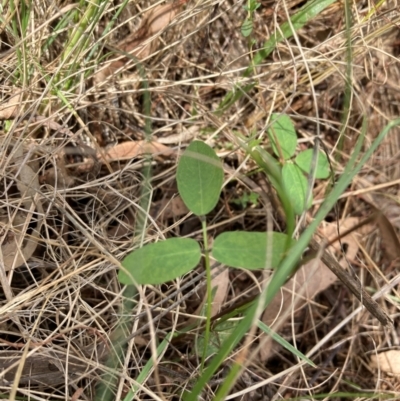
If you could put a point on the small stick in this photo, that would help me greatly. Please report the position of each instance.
(356, 288)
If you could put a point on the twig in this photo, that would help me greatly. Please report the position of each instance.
(356, 288)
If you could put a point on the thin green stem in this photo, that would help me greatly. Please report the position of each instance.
(209, 291)
(270, 167)
(78, 34)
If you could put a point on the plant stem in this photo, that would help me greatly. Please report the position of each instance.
(268, 164)
(209, 291)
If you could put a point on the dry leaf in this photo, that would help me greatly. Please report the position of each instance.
(159, 17)
(221, 284)
(125, 228)
(390, 240)
(305, 282)
(18, 246)
(388, 217)
(169, 208)
(132, 149)
(123, 151)
(139, 44)
(58, 177)
(9, 109)
(330, 232)
(311, 279)
(388, 362)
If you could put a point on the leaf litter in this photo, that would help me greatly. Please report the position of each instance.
(141, 44)
(90, 202)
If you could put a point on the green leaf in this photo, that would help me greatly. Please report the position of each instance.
(249, 250)
(283, 136)
(200, 177)
(247, 27)
(160, 262)
(296, 186)
(252, 5)
(304, 160)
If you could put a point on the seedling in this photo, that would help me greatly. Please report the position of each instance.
(247, 26)
(294, 170)
(246, 199)
(200, 177)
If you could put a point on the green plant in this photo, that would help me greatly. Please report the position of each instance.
(200, 177)
(17, 28)
(246, 199)
(284, 143)
(247, 26)
(291, 259)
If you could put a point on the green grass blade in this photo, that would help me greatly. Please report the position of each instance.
(341, 395)
(94, 50)
(147, 368)
(79, 40)
(79, 31)
(284, 343)
(226, 348)
(105, 388)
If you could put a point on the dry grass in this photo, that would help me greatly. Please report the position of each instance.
(59, 308)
